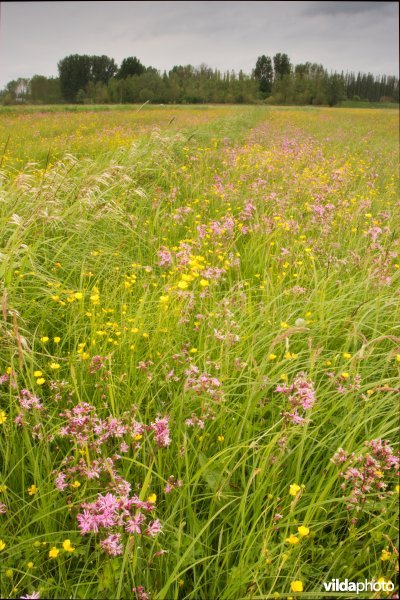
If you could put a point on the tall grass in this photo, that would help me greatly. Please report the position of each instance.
(198, 273)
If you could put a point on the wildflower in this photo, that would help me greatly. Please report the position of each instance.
(40, 380)
(271, 356)
(67, 546)
(57, 339)
(78, 295)
(296, 586)
(398, 358)
(221, 438)
(204, 282)
(284, 325)
(76, 484)
(32, 490)
(303, 530)
(140, 593)
(133, 524)
(386, 555)
(161, 431)
(44, 339)
(345, 375)
(30, 565)
(112, 544)
(54, 366)
(33, 596)
(292, 539)
(3, 488)
(3, 417)
(294, 489)
(37, 373)
(164, 299)
(2, 545)
(154, 528)
(53, 553)
(182, 285)
(9, 573)
(152, 498)
(346, 355)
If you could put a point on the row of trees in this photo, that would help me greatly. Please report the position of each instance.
(98, 79)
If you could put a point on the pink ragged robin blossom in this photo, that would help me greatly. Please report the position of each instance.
(112, 544)
(301, 397)
(367, 474)
(140, 593)
(172, 483)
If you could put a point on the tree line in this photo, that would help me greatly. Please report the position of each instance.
(88, 79)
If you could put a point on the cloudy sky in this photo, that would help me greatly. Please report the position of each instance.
(355, 36)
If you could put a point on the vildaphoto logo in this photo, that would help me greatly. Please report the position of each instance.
(337, 585)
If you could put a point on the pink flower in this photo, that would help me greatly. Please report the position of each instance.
(112, 544)
(154, 528)
(133, 524)
(161, 431)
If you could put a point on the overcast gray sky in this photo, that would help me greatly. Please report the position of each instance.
(355, 36)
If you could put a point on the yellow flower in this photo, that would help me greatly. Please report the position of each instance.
(53, 553)
(397, 488)
(57, 339)
(284, 325)
(294, 489)
(345, 375)
(3, 488)
(182, 285)
(296, 586)
(37, 373)
(40, 381)
(30, 565)
(221, 438)
(346, 355)
(76, 484)
(54, 366)
(193, 350)
(271, 356)
(386, 555)
(164, 299)
(292, 539)
(2, 545)
(67, 546)
(152, 498)
(398, 358)
(303, 530)
(3, 417)
(44, 339)
(204, 282)
(78, 295)
(32, 490)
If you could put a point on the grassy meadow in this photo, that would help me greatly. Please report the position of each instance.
(200, 352)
